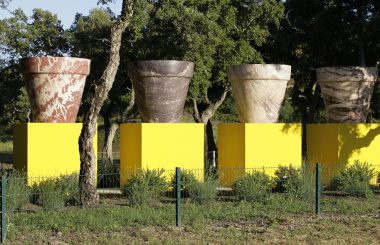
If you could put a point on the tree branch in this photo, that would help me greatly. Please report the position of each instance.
(87, 177)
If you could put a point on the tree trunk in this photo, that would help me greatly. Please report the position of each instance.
(111, 130)
(204, 117)
(87, 178)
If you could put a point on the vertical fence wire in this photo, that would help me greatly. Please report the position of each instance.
(178, 196)
(3, 208)
(318, 186)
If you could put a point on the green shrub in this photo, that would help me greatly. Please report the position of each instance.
(145, 186)
(57, 193)
(187, 179)
(18, 192)
(295, 182)
(203, 192)
(354, 180)
(254, 186)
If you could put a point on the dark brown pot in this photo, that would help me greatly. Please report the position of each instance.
(55, 87)
(161, 88)
(347, 92)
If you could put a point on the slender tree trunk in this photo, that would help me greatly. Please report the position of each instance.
(107, 147)
(87, 178)
(204, 117)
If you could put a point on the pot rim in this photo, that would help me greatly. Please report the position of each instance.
(347, 74)
(273, 72)
(161, 68)
(28, 68)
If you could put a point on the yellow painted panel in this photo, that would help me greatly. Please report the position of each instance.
(342, 144)
(162, 146)
(52, 149)
(322, 147)
(130, 150)
(248, 147)
(20, 146)
(270, 145)
(231, 152)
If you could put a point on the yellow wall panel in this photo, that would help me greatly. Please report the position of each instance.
(231, 152)
(161, 146)
(336, 145)
(254, 146)
(52, 149)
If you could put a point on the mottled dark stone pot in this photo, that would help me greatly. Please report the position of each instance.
(55, 87)
(161, 88)
(259, 91)
(347, 92)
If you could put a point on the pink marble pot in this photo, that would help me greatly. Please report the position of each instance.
(55, 87)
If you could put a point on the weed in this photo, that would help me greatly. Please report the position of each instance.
(145, 186)
(254, 186)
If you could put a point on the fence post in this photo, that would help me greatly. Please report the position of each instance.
(178, 209)
(3, 208)
(318, 186)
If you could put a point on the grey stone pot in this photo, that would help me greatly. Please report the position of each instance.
(259, 91)
(347, 92)
(161, 88)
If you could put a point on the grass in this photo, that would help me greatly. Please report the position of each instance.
(6, 146)
(278, 220)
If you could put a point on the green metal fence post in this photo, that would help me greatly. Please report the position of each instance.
(3, 208)
(318, 186)
(178, 209)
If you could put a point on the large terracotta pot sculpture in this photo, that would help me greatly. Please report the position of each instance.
(259, 91)
(161, 88)
(347, 92)
(55, 87)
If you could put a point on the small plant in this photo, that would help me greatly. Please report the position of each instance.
(145, 186)
(295, 182)
(354, 180)
(18, 192)
(187, 179)
(57, 193)
(288, 179)
(255, 186)
(203, 192)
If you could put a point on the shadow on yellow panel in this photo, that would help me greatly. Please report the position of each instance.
(251, 147)
(338, 145)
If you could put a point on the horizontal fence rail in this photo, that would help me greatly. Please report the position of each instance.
(282, 189)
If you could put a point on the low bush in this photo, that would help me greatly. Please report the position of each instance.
(295, 182)
(145, 186)
(18, 192)
(255, 186)
(354, 180)
(203, 192)
(57, 193)
(187, 179)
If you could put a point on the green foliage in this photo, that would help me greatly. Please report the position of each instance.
(18, 192)
(203, 192)
(187, 179)
(288, 179)
(378, 179)
(354, 180)
(57, 193)
(145, 186)
(295, 182)
(255, 186)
